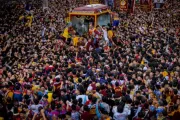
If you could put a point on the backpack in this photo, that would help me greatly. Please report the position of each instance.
(93, 109)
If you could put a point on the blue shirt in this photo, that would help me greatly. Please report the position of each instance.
(101, 81)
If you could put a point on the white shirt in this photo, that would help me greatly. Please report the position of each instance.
(114, 110)
(120, 116)
(35, 108)
(105, 106)
(83, 98)
(89, 88)
(105, 35)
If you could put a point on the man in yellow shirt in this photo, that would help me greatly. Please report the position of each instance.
(75, 40)
(9, 93)
(66, 33)
(30, 18)
(29, 22)
(50, 94)
(110, 36)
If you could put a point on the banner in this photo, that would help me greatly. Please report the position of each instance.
(124, 5)
(144, 2)
(146, 5)
(94, 1)
(158, 3)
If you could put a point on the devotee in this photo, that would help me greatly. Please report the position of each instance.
(48, 71)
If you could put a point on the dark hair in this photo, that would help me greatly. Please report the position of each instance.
(175, 106)
(175, 91)
(164, 112)
(50, 88)
(53, 105)
(141, 114)
(15, 110)
(136, 102)
(80, 100)
(90, 97)
(75, 102)
(116, 102)
(104, 99)
(57, 79)
(94, 99)
(40, 108)
(36, 101)
(120, 108)
(124, 99)
(73, 107)
(45, 96)
(86, 108)
(80, 80)
(117, 84)
(97, 26)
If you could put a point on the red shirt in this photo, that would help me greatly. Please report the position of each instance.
(118, 91)
(93, 85)
(97, 33)
(88, 102)
(88, 45)
(57, 85)
(16, 117)
(1, 71)
(86, 116)
(103, 92)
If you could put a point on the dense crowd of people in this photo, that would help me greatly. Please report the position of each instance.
(128, 70)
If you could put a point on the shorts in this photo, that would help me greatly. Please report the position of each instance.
(115, 23)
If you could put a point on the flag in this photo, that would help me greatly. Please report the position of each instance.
(124, 5)
(146, 5)
(133, 6)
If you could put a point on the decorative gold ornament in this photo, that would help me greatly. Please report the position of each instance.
(123, 2)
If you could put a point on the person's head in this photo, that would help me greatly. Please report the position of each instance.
(90, 97)
(136, 102)
(50, 88)
(86, 108)
(45, 97)
(175, 91)
(97, 27)
(22, 114)
(104, 27)
(138, 93)
(75, 102)
(116, 102)
(164, 113)
(120, 108)
(117, 84)
(176, 106)
(73, 107)
(36, 101)
(104, 99)
(94, 99)
(25, 108)
(141, 114)
(124, 99)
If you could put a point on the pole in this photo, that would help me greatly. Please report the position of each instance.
(45, 4)
(95, 24)
(150, 5)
